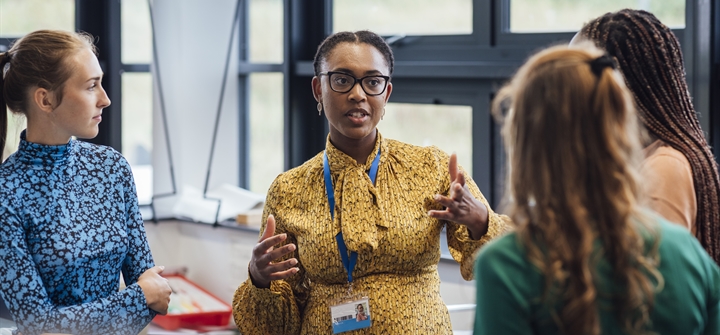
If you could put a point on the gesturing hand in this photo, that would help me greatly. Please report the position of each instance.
(156, 289)
(262, 268)
(460, 206)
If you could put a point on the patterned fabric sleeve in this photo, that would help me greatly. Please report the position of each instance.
(22, 289)
(139, 258)
(461, 246)
(274, 310)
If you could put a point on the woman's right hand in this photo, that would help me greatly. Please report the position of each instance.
(156, 289)
(262, 268)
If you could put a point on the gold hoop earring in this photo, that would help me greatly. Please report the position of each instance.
(319, 108)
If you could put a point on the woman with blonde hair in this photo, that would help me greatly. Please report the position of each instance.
(69, 217)
(585, 258)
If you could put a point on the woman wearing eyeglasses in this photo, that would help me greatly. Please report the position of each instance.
(361, 221)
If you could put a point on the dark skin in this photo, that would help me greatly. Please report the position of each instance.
(353, 118)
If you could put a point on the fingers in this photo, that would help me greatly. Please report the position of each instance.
(275, 254)
(461, 179)
(284, 274)
(448, 212)
(157, 269)
(442, 215)
(443, 200)
(457, 191)
(452, 202)
(269, 228)
(457, 195)
(262, 269)
(162, 306)
(274, 268)
(268, 244)
(453, 167)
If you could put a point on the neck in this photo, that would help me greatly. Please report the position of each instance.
(41, 133)
(649, 139)
(358, 149)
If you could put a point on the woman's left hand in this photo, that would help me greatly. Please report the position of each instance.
(461, 206)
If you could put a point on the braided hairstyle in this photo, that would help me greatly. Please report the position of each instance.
(650, 59)
(362, 36)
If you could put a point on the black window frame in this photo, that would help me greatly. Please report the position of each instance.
(486, 58)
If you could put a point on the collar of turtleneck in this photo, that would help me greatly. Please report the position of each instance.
(41, 154)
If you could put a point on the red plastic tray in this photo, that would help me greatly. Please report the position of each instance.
(194, 320)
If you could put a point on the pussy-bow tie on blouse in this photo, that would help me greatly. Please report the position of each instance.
(358, 209)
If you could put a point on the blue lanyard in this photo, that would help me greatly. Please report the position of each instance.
(348, 262)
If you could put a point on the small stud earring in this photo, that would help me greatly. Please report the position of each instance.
(319, 108)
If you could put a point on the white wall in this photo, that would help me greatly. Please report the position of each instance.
(215, 258)
(192, 42)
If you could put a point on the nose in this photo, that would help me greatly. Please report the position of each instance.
(104, 100)
(357, 93)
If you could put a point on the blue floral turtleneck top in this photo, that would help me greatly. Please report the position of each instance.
(69, 224)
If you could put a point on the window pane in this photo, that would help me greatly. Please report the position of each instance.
(447, 127)
(266, 31)
(266, 130)
(137, 142)
(16, 124)
(136, 32)
(19, 17)
(393, 17)
(534, 16)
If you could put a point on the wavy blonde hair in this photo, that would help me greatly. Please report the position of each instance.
(573, 144)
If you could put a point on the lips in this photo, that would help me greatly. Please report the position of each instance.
(357, 113)
(358, 116)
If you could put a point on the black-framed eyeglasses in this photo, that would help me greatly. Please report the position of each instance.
(342, 82)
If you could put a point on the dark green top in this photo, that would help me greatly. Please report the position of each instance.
(509, 288)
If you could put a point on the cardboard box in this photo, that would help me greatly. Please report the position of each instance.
(252, 217)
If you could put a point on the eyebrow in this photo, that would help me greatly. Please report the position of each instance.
(95, 78)
(367, 73)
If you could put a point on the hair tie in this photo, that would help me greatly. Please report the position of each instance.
(4, 64)
(599, 64)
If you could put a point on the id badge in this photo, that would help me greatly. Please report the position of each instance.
(350, 315)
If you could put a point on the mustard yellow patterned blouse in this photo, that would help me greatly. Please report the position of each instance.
(398, 244)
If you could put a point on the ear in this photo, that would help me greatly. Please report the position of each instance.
(388, 91)
(44, 99)
(317, 88)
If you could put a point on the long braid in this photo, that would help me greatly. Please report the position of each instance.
(650, 59)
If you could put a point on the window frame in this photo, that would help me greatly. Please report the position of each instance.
(507, 37)
(488, 56)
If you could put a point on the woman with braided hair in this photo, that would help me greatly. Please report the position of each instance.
(680, 172)
(586, 257)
